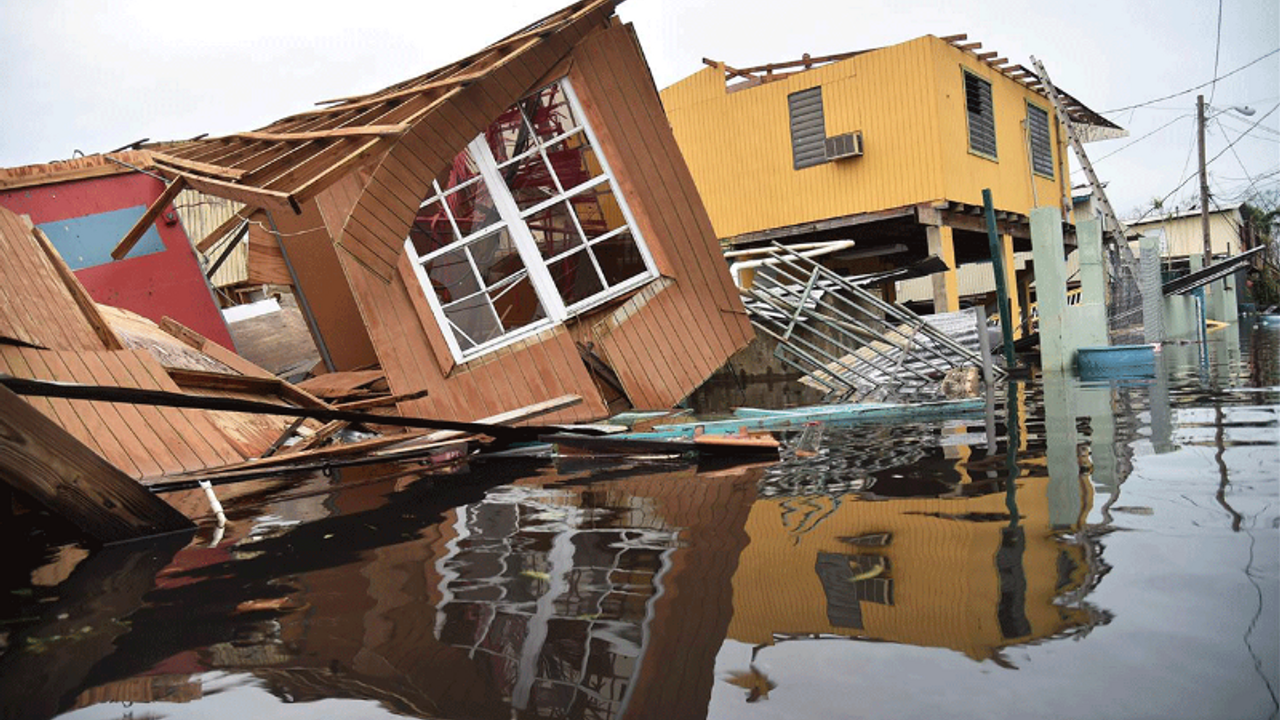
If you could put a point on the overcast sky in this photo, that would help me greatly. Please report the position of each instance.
(92, 76)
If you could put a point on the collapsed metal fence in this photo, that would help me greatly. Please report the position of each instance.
(850, 342)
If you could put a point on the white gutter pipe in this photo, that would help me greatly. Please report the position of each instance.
(807, 250)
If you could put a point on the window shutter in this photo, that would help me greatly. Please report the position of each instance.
(808, 128)
(981, 112)
(1041, 141)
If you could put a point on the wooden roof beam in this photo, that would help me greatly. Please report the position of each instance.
(968, 46)
(218, 171)
(987, 55)
(954, 38)
(148, 219)
(342, 132)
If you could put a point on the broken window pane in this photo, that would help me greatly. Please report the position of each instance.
(451, 275)
(574, 161)
(575, 278)
(598, 211)
(431, 229)
(529, 180)
(472, 321)
(549, 112)
(496, 257)
(619, 258)
(472, 207)
(553, 230)
(517, 304)
(508, 136)
(464, 168)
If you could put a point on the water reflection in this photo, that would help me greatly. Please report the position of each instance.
(886, 560)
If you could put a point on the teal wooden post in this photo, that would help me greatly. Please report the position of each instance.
(1002, 292)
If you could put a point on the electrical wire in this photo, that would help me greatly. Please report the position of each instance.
(1197, 87)
(1217, 48)
(1144, 137)
(1162, 200)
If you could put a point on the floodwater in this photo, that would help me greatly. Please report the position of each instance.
(1114, 553)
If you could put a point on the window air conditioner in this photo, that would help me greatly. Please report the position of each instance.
(844, 146)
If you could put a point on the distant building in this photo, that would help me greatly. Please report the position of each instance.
(1182, 234)
(889, 147)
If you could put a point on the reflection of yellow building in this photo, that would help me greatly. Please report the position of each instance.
(937, 572)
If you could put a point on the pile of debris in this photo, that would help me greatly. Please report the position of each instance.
(855, 345)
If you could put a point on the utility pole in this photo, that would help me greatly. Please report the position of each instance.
(1204, 183)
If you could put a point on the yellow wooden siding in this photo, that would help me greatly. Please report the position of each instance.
(908, 101)
(738, 144)
(1185, 236)
(1009, 176)
(201, 214)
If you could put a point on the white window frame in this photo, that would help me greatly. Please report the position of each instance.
(513, 219)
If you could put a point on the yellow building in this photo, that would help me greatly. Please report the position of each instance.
(890, 148)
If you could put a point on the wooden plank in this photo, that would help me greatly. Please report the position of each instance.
(342, 132)
(92, 314)
(63, 171)
(195, 166)
(384, 401)
(148, 218)
(221, 231)
(250, 196)
(509, 417)
(221, 381)
(340, 384)
(58, 472)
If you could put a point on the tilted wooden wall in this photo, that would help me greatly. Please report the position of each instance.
(662, 344)
(663, 341)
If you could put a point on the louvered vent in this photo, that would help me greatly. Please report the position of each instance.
(1041, 140)
(982, 117)
(808, 128)
(844, 146)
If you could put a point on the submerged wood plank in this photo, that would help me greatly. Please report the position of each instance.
(60, 473)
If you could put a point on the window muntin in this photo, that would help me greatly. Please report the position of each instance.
(1040, 141)
(981, 115)
(527, 229)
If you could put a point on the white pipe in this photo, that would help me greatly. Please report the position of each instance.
(817, 249)
(213, 503)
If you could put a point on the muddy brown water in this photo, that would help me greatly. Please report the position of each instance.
(1114, 553)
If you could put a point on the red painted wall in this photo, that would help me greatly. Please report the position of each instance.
(163, 283)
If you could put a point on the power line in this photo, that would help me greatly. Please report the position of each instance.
(1207, 163)
(1144, 137)
(1191, 90)
(1217, 48)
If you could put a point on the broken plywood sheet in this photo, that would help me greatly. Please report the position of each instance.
(139, 333)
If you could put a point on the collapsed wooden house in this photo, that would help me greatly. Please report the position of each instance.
(513, 227)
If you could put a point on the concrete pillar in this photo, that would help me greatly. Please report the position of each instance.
(1088, 320)
(1011, 284)
(946, 291)
(1093, 278)
(1051, 289)
(1152, 299)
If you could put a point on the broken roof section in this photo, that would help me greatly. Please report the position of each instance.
(1090, 124)
(289, 161)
